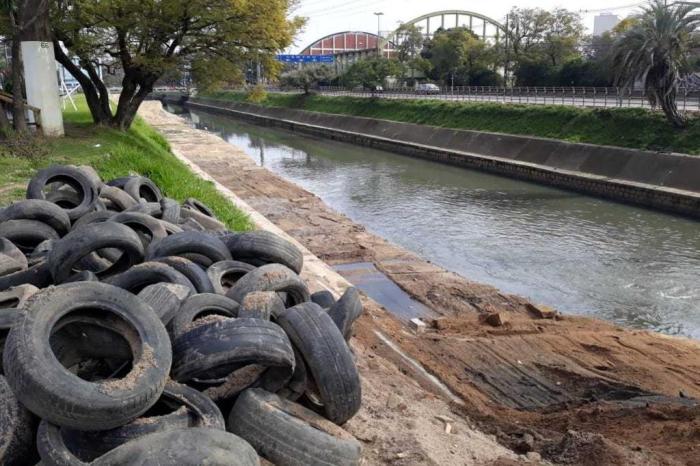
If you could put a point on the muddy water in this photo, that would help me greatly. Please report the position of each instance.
(577, 253)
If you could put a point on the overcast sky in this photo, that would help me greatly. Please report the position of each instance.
(329, 16)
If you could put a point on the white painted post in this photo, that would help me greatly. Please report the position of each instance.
(42, 84)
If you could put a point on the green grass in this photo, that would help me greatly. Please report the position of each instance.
(113, 153)
(628, 127)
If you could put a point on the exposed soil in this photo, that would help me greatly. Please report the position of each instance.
(568, 389)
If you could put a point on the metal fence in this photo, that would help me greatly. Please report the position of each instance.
(602, 97)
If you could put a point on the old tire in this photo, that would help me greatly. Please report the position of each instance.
(261, 305)
(27, 234)
(142, 189)
(262, 247)
(165, 298)
(199, 247)
(327, 357)
(215, 350)
(323, 298)
(198, 306)
(118, 198)
(182, 407)
(17, 426)
(38, 275)
(287, 434)
(93, 237)
(346, 311)
(199, 206)
(39, 210)
(140, 276)
(47, 389)
(77, 179)
(194, 272)
(223, 275)
(170, 210)
(271, 277)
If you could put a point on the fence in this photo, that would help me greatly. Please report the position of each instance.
(688, 100)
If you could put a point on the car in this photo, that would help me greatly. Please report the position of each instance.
(427, 88)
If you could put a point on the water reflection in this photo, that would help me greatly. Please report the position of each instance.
(577, 253)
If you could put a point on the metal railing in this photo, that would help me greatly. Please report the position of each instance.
(601, 97)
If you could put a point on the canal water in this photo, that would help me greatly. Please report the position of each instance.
(580, 254)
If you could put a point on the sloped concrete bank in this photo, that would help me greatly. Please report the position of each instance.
(563, 387)
(663, 181)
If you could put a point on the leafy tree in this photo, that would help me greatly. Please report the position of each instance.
(655, 50)
(410, 40)
(147, 38)
(307, 78)
(456, 54)
(371, 72)
(535, 73)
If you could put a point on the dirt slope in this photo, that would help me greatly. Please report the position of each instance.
(574, 390)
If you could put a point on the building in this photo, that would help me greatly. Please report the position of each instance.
(604, 22)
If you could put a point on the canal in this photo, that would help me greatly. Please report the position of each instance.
(580, 254)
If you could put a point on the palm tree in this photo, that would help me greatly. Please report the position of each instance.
(655, 51)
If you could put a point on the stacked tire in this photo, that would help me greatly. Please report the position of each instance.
(138, 330)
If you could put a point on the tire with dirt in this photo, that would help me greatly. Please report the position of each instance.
(197, 306)
(202, 248)
(286, 433)
(239, 343)
(69, 250)
(183, 447)
(42, 383)
(17, 427)
(223, 275)
(262, 247)
(75, 178)
(165, 299)
(194, 272)
(327, 357)
(271, 277)
(179, 407)
(261, 305)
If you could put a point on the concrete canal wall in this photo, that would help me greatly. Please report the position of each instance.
(664, 181)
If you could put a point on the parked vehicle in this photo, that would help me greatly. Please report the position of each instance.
(427, 88)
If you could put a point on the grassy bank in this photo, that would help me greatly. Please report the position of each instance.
(114, 153)
(628, 127)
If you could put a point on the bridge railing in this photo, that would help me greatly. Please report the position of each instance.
(602, 97)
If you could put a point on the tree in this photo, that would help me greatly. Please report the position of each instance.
(307, 78)
(655, 50)
(457, 54)
(11, 13)
(371, 72)
(147, 38)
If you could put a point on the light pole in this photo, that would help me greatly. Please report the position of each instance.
(379, 15)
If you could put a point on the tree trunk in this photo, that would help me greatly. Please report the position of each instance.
(100, 114)
(18, 108)
(134, 92)
(670, 109)
(5, 126)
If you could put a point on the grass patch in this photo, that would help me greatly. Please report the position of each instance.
(624, 127)
(113, 153)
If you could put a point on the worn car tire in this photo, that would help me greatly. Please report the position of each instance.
(271, 277)
(9, 249)
(140, 276)
(119, 199)
(142, 189)
(170, 210)
(47, 389)
(70, 249)
(198, 205)
(149, 208)
(346, 311)
(97, 216)
(199, 247)
(194, 272)
(40, 210)
(327, 357)
(165, 298)
(197, 306)
(223, 275)
(261, 305)
(183, 447)
(262, 247)
(27, 234)
(38, 275)
(323, 298)
(78, 180)
(182, 407)
(209, 223)
(17, 426)
(238, 343)
(286, 433)
(148, 228)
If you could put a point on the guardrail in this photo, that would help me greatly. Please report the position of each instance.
(603, 97)
(36, 111)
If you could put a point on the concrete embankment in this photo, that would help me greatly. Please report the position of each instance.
(564, 387)
(668, 182)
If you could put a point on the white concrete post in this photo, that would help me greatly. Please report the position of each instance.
(42, 84)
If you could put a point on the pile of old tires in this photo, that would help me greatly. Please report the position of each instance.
(136, 330)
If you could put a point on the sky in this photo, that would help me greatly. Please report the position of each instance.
(329, 16)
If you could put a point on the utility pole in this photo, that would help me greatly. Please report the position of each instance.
(379, 33)
(39, 65)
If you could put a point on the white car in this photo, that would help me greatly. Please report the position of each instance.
(427, 88)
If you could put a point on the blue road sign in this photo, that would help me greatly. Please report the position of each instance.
(305, 58)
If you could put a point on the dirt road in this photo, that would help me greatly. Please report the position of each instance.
(567, 389)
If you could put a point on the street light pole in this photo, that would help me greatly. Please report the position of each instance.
(379, 15)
